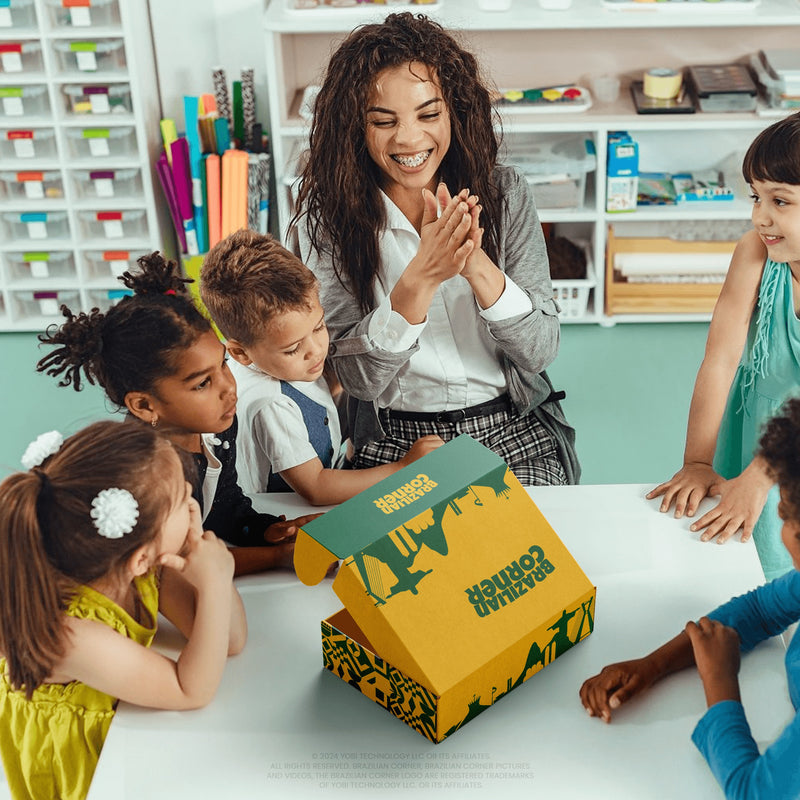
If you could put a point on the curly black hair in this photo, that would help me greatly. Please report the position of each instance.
(780, 448)
(132, 345)
(340, 184)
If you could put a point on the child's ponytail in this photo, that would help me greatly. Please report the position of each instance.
(157, 276)
(132, 345)
(32, 593)
(50, 544)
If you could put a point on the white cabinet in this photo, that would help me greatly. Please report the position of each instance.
(528, 47)
(79, 115)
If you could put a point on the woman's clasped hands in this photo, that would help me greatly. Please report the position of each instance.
(449, 233)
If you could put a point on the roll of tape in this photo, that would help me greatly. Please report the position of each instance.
(661, 83)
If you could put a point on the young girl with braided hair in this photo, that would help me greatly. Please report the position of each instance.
(98, 536)
(157, 356)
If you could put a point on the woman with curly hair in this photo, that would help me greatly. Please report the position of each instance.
(432, 265)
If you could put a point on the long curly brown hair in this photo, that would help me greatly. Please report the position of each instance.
(340, 184)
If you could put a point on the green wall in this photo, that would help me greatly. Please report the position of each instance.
(628, 390)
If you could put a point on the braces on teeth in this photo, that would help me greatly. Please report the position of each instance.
(412, 161)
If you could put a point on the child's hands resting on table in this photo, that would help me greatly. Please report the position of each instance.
(741, 499)
(716, 653)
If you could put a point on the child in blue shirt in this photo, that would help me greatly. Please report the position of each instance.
(265, 302)
(714, 643)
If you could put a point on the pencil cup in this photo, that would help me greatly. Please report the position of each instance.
(605, 88)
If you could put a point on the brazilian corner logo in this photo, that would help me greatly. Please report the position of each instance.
(509, 583)
(406, 494)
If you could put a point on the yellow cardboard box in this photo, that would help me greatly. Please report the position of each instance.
(456, 589)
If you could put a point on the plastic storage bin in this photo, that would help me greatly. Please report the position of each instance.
(95, 14)
(97, 99)
(572, 294)
(24, 101)
(45, 303)
(105, 265)
(36, 225)
(17, 14)
(555, 166)
(32, 185)
(28, 143)
(98, 55)
(20, 57)
(119, 183)
(40, 266)
(102, 142)
(113, 224)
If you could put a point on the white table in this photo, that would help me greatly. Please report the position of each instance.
(281, 726)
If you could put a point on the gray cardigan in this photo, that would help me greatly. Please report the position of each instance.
(527, 343)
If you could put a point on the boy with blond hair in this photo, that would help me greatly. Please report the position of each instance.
(265, 302)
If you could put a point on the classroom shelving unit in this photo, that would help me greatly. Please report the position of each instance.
(79, 113)
(527, 47)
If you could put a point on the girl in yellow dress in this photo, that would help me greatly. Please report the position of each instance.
(96, 537)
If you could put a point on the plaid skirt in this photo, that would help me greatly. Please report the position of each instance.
(521, 441)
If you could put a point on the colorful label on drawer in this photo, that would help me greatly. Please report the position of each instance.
(12, 101)
(103, 183)
(85, 55)
(98, 99)
(79, 13)
(112, 224)
(116, 255)
(33, 185)
(38, 263)
(36, 224)
(23, 143)
(5, 14)
(98, 141)
(11, 56)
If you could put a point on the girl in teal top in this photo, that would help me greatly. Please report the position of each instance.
(752, 361)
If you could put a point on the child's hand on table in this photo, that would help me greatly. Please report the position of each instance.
(716, 653)
(741, 501)
(616, 684)
(286, 530)
(686, 488)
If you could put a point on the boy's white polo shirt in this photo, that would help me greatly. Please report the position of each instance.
(272, 434)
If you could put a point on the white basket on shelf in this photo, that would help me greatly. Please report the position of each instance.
(572, 294)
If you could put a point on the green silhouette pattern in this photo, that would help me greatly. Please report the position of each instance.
(401, 561)
(379, 681)
(538, 657)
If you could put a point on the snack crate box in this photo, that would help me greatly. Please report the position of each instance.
(456, 589)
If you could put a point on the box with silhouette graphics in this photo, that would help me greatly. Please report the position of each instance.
(456, 589)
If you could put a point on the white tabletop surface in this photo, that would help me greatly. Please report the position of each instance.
(282, 726)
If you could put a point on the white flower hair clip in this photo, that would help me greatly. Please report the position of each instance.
(44, 445)
(114, 512)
